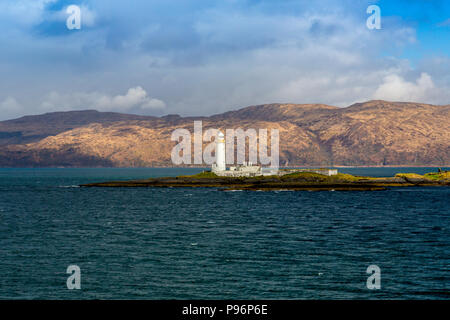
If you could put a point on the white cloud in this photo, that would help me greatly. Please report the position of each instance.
(10, 108)
(24, 12)
(10, 104)
(32, 12)
(396, 88)
(210, 57)
(88, 16)
(135, 100)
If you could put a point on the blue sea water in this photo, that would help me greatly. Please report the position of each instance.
(148, 243)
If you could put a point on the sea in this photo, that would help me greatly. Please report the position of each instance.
(206, 243)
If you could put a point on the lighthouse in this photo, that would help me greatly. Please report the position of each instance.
(247, 169)
(220, 164)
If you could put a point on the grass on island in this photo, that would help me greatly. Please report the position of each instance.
(305, 175)
(317, 177)
(204, 174)
(445, 175)
(303, 180)
(409, 176)
(436, 176)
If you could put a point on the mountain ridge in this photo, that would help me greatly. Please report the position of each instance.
(375, 132)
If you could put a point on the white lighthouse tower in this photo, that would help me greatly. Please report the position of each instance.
(220, 164)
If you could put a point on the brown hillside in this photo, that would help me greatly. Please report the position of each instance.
(371, 133)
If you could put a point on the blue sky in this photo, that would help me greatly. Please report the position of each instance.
(431, 19)
(204, 57)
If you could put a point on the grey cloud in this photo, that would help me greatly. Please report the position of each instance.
(201, 58)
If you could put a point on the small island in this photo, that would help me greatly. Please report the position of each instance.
(249, 176)
(288, 179)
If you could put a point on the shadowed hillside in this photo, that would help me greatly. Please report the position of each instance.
(371, 133)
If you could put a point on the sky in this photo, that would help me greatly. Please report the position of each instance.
(203, 57)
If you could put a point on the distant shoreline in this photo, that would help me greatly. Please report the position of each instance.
(207, 168)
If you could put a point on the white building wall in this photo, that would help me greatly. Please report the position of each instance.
(220, 153)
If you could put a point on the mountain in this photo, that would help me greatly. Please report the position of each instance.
(370, 133)
(34, 128)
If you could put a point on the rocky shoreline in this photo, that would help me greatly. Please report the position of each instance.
(307, 181)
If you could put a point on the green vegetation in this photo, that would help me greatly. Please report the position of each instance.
(202, 175)
(293, 181)
(304, 175)
(409, 176)
(438, 175)
(346, 177)
(433, 176)
(312, 176)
